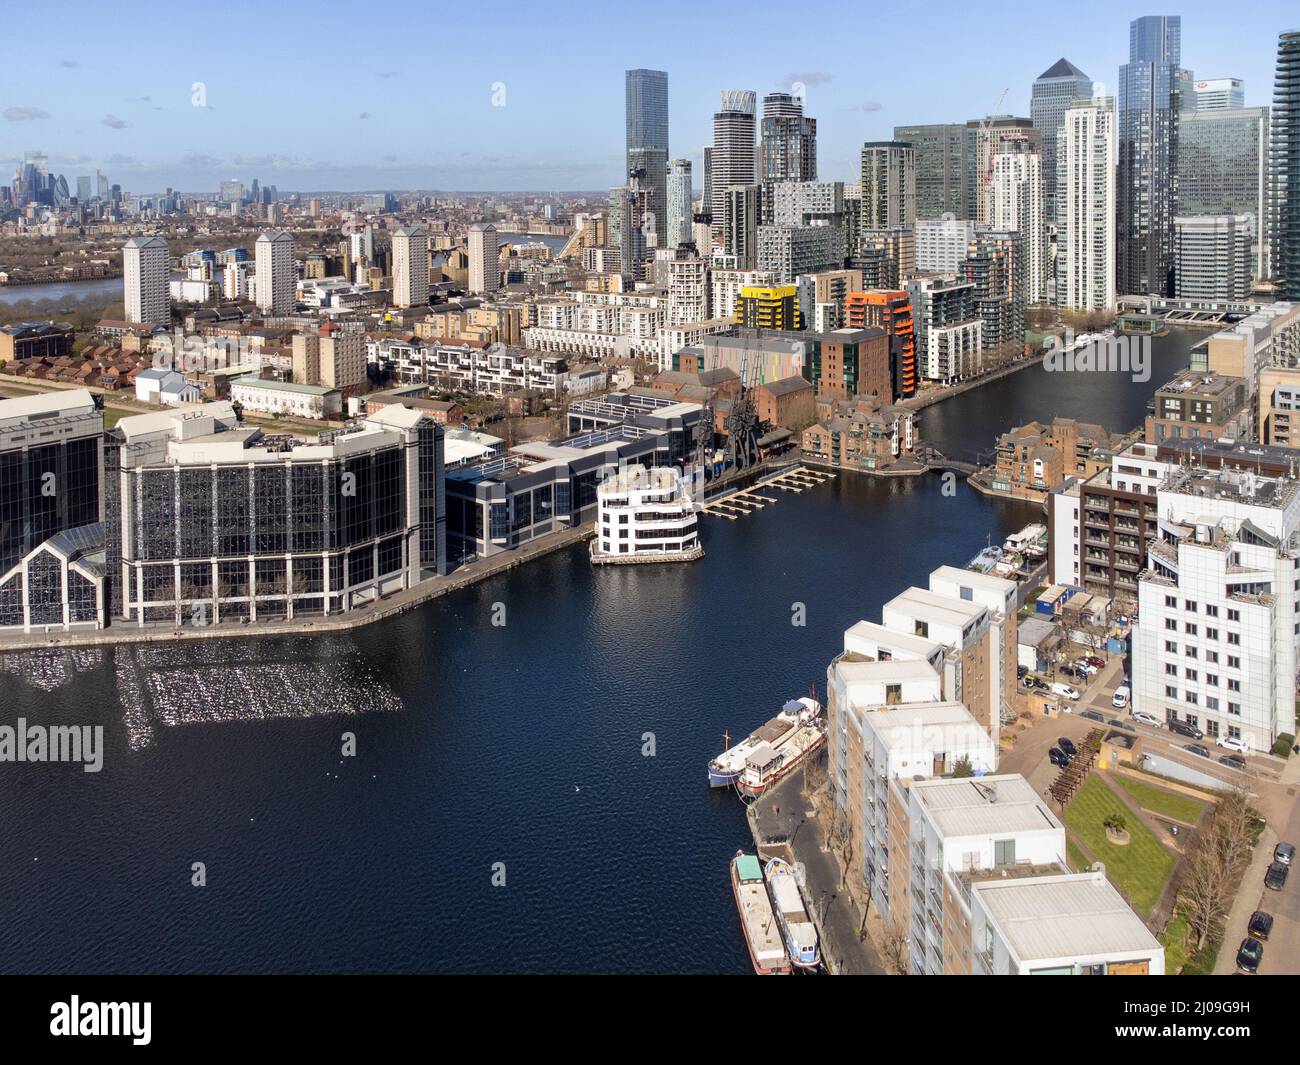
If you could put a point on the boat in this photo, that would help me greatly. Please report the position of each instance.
(725, 770)
(787, 901)
(985, 560)
(1028, 541)
(769, 762)
(757, 919)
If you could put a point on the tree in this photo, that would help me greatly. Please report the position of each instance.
(1115, 822)
(1218, 859)
(894, 947)
(963, 768)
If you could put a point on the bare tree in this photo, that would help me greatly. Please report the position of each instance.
(894, 947)
(1216, 863)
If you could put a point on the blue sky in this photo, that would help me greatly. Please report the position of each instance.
(340, 96)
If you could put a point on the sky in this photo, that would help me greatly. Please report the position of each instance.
(526, 96)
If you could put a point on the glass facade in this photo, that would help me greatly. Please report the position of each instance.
(1285, 176)
(45, 490)
(1049, 99)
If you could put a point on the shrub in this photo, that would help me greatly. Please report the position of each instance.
(1283, 744)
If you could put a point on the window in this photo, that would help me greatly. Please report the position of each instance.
(1171, 647)
(1211, 611)
(1189, 606)
(1234, 615)
(1004, 852)
(1171, 692)
(1211, 634)
(1234, 638)
(1190, 629)
(1234, 662)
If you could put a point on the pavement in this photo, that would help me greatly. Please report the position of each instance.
(786, 818)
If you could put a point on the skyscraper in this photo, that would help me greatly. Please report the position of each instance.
(1150, 96)
(276, 276)
(788, 148)
(144, 280)
(484, 258)
(940, 168)
(646, 99)
(1086, 206)
(1284, 153)
(1218, 94)
(733, 161)
(679, 204)
(888, 185)
(986, 138)
(411, 267)
(1053, 91)
(1017, 205)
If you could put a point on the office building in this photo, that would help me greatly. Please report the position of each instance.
(276, 276)
(1284, 168)
(1086, 206)
(739, 214)
(411, 267)
(1053, 91)
(1221, 166)
(1218, 94)
(1151, 87)
(1212, 257)
(645, 514)
(888, 185)
(733, 160)
(146, 268)
(484, 258)
(1217, 642)
(940, 161)
(941, 244)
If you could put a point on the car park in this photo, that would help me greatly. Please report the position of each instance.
(1058, 757)
(1184, 728)
(1275, 877)
(1065, 690)
(1094, 661)
(1143, 718)
(1197, 749)
(1072, 673)
(1071, 750)
(1261, 924)
(1283, 852)
(1232, 743)
(1232, 761)
(1249, 955)
(1120, 699)
(1085, 667)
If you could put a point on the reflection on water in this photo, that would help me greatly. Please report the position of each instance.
(50, 668)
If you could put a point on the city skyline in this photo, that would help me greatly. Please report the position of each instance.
(489, 126)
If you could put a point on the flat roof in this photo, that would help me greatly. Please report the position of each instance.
(282, 386)
(1064, 916)
(933, 606)
(985, 806)
(73, 401)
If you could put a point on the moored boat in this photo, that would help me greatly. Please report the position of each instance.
(757, 918)
(798, 931)
(769, 762)
(725, 769)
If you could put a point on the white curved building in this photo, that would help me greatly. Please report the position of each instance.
(645, 515)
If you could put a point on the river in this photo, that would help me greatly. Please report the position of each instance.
(482, 750)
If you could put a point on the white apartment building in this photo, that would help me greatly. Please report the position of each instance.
(238, 280)
(276, 275)
(145, 270)
(287, 398)
(941, 244)
(1000, 597)
(1017, 204)
(411, 267)
(1218, 636)
(484, 258)
(1086, 201)
(645, 514)
(688, 290)
(726, 284)
(673, 338)
(1071, 924)
(496, 370)
(599, 324)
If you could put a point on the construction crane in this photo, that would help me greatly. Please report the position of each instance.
(984, 128)
(743, 425)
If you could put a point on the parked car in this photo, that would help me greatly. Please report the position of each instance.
(1283, 852)
(1198, 749)
(1232, 743)
(1261, 924)
(1118, 722)
(1276, 876)
(1092, 715)
(1120, 699)
(1184, 728)
(1021, 671)
(1143, 718)
(1094, 661)
(1086, 667)
(1058, 757)
(1232, 761)
(1249, 955)
(1072, 673)
(1070, 749)
(1066, 690)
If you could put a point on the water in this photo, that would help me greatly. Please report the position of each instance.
(64, 292)
(476, 745)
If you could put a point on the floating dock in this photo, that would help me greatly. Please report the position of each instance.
(747, 501)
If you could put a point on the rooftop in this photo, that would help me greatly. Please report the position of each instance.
(984, 806)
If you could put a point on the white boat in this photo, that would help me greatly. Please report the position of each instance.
(757, 919)
(725, 770)
(1028, 539)
(787, 901)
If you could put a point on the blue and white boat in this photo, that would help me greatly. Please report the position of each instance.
(799, 932)
(725, 770)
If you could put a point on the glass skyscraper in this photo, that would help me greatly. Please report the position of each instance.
(647, 142)
(1052, 92)
(1152, 86)
(1284, 176)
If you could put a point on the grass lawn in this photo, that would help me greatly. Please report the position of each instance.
(1140, 868)
(1074, 856)
(1174, 940)
(1160, 801)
